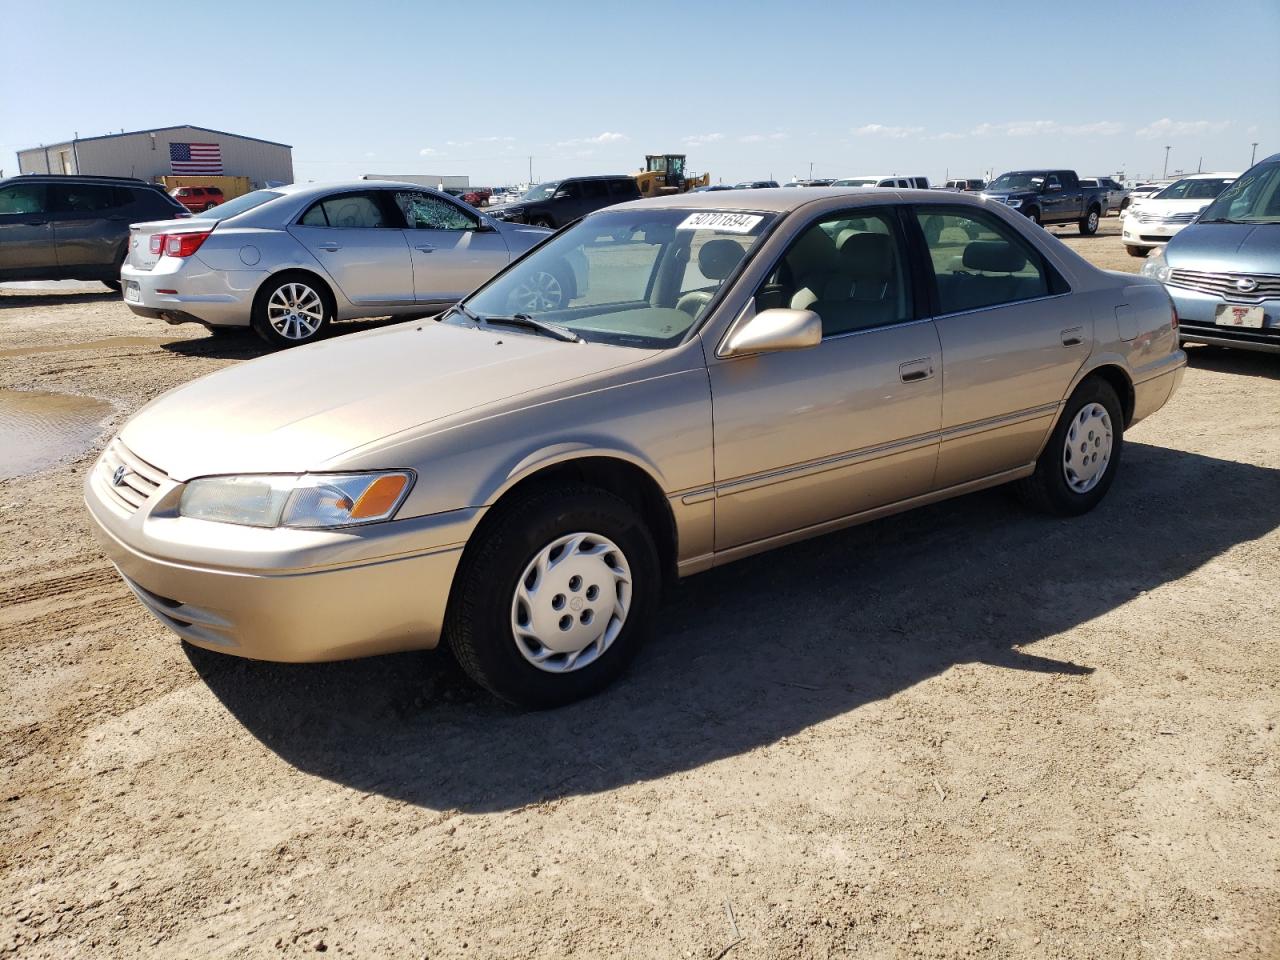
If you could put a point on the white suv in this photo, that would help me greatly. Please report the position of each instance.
(1150, 222)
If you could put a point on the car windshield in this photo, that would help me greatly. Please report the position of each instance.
(1193, 189)
(248, 201)
(542, 191)
(1253, 198)
(1016, 181)
(635, 277)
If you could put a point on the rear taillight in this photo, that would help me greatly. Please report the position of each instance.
(177, 244)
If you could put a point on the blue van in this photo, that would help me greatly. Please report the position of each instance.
(1223, 271)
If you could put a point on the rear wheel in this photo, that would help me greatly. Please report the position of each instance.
(1089, 224)
(555, 596)
(1080, 460)
(541, 291)
(292, 309)
(1137, 251)
(542, 222)
(112, 285)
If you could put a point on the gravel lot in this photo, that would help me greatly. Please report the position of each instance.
(966, 731)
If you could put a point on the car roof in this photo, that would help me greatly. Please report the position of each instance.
(1207, 176)
(76, 177)
(771, 200)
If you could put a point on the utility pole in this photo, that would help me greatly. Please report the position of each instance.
(810, 169)
(1165, 175)
(531, 170)
(1253, 155)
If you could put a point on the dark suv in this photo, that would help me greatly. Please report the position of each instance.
(74, 227)
(557, 202)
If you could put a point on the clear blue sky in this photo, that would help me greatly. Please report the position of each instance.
(748, 90)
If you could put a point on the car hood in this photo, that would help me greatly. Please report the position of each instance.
(301, 409)
(1169, 206)
(1241, 247)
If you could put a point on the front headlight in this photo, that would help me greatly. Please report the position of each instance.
(308, 500)
(1157, 267)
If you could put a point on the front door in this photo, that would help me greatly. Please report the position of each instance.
(26, 232)
(359, 243)
(1011, 344)
(815, 435)
(452, 252)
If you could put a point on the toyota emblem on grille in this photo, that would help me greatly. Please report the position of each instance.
(117, 478)
(1246, 284)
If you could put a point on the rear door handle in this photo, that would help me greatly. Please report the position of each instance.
(1072, 336)
(330, 247)
(913, 370)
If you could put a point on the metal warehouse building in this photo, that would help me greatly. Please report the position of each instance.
(163, 152)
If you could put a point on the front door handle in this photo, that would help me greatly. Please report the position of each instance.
(330, 247)
(34, 223)
(1072, 336)
(912, 371)
(424, 247)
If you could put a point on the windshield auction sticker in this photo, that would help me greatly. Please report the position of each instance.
(721, 222)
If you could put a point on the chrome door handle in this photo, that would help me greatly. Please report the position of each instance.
(912, 371)
(424, 247)
(330, 247)
(1072, 336)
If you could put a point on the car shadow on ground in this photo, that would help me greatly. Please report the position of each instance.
(14, 301)
(241, 343)
(763, 648)
(1246, 363)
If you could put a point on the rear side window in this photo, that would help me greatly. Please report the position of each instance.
(979, 262)
(83, 197)
(595, 190)
(624, 189)
(349, 210)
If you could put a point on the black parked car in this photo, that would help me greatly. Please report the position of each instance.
(557, 202)
(74, 227)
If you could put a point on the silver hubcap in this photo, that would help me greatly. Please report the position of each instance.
(1093, 221)
(571, 602)
(1087, 450)
(542, 291)
(295, 311)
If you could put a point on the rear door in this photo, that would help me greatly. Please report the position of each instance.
(357, 237)
(26, 232)
(451, 253)
(1011, 341)
(90, 226)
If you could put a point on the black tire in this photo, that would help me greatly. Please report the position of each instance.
(1124, 204)
(1033, 214)
(224, 332)
(1047, 489)
(1140, 252)
(478, 625)
(1089, 222)
(113, 285)
(542, 222)
(208, 206)
(260, 319)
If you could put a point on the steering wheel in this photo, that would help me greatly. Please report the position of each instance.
(694, 302)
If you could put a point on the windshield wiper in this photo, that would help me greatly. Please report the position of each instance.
(464, 310)
(542, 326)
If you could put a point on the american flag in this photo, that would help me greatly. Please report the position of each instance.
(195, 158)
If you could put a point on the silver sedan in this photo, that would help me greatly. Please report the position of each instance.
(289, 260)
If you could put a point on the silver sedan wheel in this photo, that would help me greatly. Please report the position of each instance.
(1086, 453)
(295, 311)
(571, 602)
(542, 291)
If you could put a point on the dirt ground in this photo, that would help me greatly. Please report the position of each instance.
(966, 731)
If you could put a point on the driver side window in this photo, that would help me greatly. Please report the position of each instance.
(422, 211)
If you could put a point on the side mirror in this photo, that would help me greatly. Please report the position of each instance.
(484, 226)
(774, 330)
(560, 195)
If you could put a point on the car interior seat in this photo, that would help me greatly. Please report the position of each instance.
(716, 260)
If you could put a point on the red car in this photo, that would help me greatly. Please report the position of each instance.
(197, 199)
(477, 198)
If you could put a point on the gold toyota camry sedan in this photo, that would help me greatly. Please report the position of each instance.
(518, 476)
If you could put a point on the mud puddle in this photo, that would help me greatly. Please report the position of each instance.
(39, 429)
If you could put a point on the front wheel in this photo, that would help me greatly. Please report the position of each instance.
(1034, 216)
(1079, 462)
(554, 597)
(1137, 251)
(542, 222)
(1089, 225)
(291, 309)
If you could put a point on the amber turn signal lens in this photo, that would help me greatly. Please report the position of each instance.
(379, 497)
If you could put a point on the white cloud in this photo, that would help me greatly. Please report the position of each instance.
(497, 139)
(370, 154)
(428, 152)
(1165, 127)
(762, 137)
(948, 135)
(1032, 128)
(893, 133)
(456, 143)
(606, 137)
(702, 139)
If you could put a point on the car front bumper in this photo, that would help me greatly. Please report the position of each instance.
(1197, 315)
(1135, 234)
(283, 595)
(216, 298)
